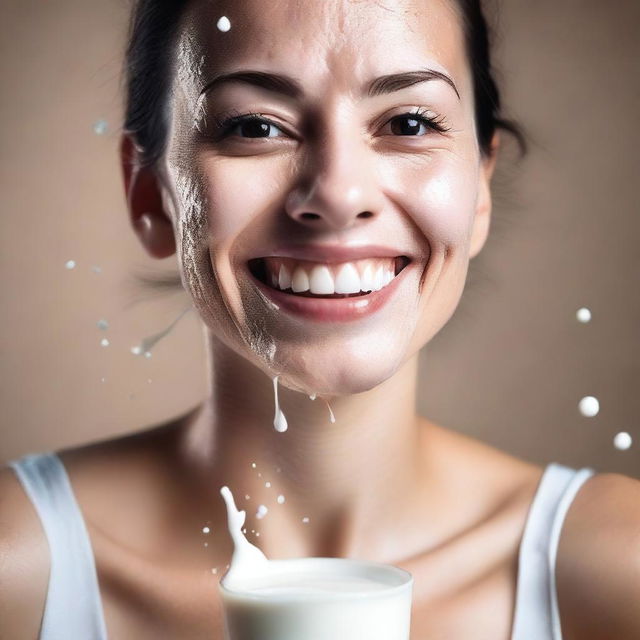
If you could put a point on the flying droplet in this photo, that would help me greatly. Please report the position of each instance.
(257, 534)
(583, 315)
(150, 341)
(103, 324)
(214, 570)
(313, 396)
(224, 24)
(70, 264)
(104, 342)
(267, 484)
(206, 530)
(253, 465)
(280, 499)
(589, 406)
(622, 441)
(246, 496)
(261, 512)
(100, 127)
(305, 520)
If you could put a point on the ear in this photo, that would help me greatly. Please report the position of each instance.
(144, 200)
(482, 218)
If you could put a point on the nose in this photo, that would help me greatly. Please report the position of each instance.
(337, 188)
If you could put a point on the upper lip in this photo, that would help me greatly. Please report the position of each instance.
(332, 253)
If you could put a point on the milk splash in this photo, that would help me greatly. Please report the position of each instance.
(332, 417)
(149, 342)
(279, 420)
(247, 560)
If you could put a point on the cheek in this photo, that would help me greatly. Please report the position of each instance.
(441, 198)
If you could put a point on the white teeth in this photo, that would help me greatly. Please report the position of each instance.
(299, 280)
(367, 279)
(378, 280)
(284, 278)
(348, 279)
(388, 277)
(321, 280)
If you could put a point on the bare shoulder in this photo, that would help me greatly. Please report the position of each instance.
(598, 563)
(24, 561)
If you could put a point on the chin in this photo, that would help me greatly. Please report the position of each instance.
(337, 370)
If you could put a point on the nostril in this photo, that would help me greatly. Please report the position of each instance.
(365, 214)
(309, 216)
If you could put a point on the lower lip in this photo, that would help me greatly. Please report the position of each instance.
(331, 309)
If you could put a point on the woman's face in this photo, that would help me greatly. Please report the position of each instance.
(333, 163)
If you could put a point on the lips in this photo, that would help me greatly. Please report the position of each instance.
(329, 283)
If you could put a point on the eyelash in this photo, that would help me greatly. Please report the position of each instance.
(226, 125)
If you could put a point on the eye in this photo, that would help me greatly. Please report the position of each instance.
(410, 124)
(251, 125)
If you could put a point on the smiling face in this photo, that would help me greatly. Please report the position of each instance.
(341, 180)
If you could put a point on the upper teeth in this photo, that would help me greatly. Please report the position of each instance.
(370, 274)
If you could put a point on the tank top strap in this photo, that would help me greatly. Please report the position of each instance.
(536, 611)
(73, 608)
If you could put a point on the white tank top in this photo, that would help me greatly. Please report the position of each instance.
(73, 608)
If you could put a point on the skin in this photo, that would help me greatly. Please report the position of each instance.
(381, 483)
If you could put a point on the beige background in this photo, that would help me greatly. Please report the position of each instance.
(511, 366)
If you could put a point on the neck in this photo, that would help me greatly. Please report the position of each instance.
(342, 476)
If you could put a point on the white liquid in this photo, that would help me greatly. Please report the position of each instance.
(310, 598)
(279, 420)
(149, 342)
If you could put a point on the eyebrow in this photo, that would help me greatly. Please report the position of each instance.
(290, 87)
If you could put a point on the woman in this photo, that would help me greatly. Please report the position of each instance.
(319, 147)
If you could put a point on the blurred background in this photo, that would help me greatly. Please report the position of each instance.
(510, 368)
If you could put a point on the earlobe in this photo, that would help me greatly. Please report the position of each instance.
(147, 212)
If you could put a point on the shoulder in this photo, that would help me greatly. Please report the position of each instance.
(598, 562)
(24, 561)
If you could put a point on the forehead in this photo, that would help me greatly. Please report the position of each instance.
(336, 43)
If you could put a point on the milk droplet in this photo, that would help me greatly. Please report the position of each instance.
(332, 418)
(257, 534)
(305, 519)
(246, 496)
(150, 341)
(253, 465)
(206, 530)
(224, 24)
(279, 420)
(313, 396)
(583, 315)
(589, 406)
(206, 544)
(244, 530)
(104, 342)
(214, 570)
(70, 264)
(622, 441)
(100, 127)
(267, 484)
(280, 499)
(261, 512)
(103, 324)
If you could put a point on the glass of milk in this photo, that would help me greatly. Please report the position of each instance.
(320, 599)
(310, 598)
